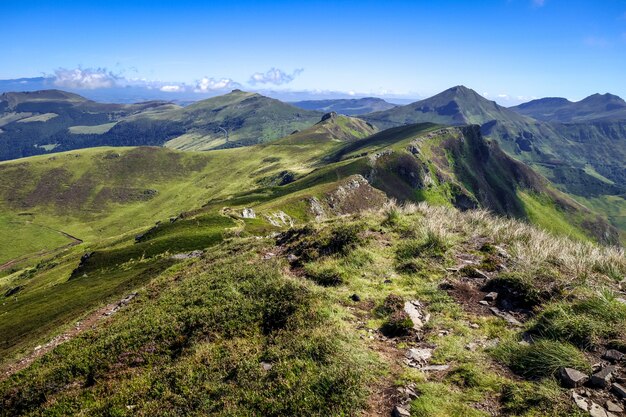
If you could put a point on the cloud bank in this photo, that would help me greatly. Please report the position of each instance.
(207, 84)
(274, 76)
(87, 79)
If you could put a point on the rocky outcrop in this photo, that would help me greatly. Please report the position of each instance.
(351, 195)
(248, 213)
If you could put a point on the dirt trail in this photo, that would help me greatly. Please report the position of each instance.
(74, 241)
(88, 322)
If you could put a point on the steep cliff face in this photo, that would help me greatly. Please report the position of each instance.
(457, 166)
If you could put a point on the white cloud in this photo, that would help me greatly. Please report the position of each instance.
(172, 88)
(207, 84)
(88, 78)
(274, 76)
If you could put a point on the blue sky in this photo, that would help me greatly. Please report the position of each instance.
(510, 50)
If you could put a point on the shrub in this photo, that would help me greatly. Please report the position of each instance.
(586, 323)
(541, 359)
(543, 398)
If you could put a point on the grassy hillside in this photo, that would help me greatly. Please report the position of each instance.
(313, 322)
(102, 192)
(111, 198)
(576, 156)
(36, 122)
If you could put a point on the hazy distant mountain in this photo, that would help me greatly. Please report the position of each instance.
(33, 123)
(349, 107)
(38, 122)
(597, 107)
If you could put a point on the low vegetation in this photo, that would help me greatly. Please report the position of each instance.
(312, 322)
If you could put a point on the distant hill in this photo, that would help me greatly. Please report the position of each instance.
(235, 119)
(456, 106)
(597, 107)
(349, 107)
(38, 122)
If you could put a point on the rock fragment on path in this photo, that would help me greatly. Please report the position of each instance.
(602, 378)
(571, 378)
(399, 411)
(614, 407)
(580, 401)
(613, 355)
(419, 356)
(506, 316)
(596, 411)
(492, 296)
(414, 310)
(619, 390)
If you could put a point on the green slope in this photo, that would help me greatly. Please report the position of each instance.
(36, 122)
(243, 331)
(572, 155)
(110, 197)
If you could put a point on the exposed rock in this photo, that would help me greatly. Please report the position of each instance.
(78, 271)
(614, 407)
(353, 195)
(479, 274)
(619, 390)
(421, 356)
(408, 392)
(266, 366)
(269, 255)
(279, 219)
(331, 115)
(190, 255)
(491, 296)
(483, 302)
(292, 258)
(602, 379)
(621, 300)
(506, 316)
(120, 304)
(613, 355)
(248, 213)
(412, 308)
(571, 378)
(580, 401)
(596, 411)
(399, 411)
(316, 208)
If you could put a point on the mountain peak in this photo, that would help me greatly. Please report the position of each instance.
(603, 98)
